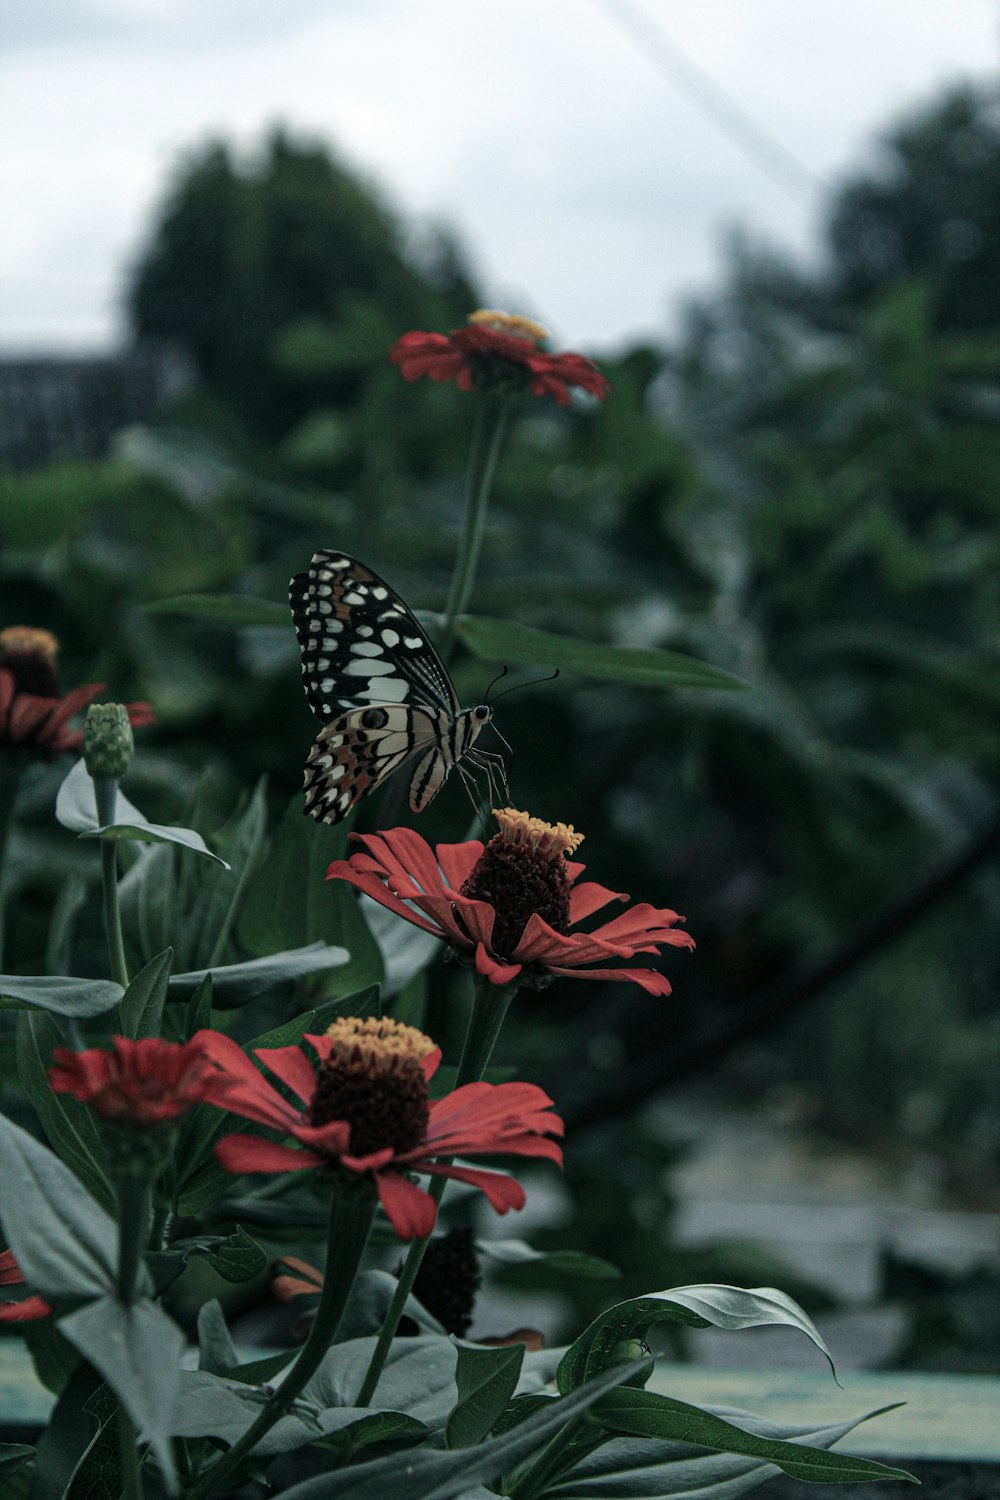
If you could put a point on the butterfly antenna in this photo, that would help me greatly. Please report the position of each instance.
(498, 678)
(533, 682)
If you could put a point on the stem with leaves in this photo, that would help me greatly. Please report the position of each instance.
(487, 437)
(352, 1208)
(10, 776)
(106, 796)
(489, 1007)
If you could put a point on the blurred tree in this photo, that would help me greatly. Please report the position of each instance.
(291, 245)
(931, 208)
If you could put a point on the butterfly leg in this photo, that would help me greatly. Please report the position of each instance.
(495, 767)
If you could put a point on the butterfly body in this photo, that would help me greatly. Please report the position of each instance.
(380, 689)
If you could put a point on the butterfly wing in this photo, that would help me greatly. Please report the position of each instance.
(359, 642)
(356, 752)
(374, 680)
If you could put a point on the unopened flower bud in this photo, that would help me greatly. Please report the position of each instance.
(107, 740)
(626, 1353)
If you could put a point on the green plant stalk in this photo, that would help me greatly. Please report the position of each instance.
(106, 795)
(133, 1233)
(491, 419)
(352, 1209)
(10, 777)
(556, 1457)
(133, 1228)
(489, 1007)
(131, 1475)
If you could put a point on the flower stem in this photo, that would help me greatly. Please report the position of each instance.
(10, 776)
(352, 1209)
(133, 1229)
(489, 1006)
(133, 1233)
(105, 795)
(131, 1476)
(491, 419)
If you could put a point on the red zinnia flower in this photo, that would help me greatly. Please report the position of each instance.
(141, 1083)
(29, 1308)
(33, 715)
(513, 906)
(366, 1109)
(499, 353)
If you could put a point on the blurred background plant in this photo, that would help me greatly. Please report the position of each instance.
(801, 488)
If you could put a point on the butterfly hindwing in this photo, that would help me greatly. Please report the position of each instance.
(378, 686)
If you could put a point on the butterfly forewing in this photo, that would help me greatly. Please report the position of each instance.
(378, 686)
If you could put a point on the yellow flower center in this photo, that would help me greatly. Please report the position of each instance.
(550, 839)
(378, 1041)
(522, 873)
(512, 324)
(21, 640)
(373, 1080)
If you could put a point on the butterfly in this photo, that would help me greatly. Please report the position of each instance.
(380, 690)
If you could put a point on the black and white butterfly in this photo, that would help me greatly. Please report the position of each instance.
(379, 688)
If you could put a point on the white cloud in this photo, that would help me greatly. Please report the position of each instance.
(575, 170)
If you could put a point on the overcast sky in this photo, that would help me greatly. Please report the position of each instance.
(584, 150)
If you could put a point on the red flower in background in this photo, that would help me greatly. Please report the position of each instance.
(499, 353)
(366, 1110)
(141, 1083)
(513, 907)
(29, 1309)
(33, 715)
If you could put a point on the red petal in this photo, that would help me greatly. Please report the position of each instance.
(411, 1211)
(502, 1191)
(248, 1153)
(585, 899)
(10, 1272)
(374, 886)
(292, 1067)
(495, 972)
(458, 861)
(649, 979)
(25, 1311)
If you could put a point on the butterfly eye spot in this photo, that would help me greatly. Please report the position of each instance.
(380, 593)
(390, 638)
(355, 598)
(364, 630)
(414, 642)
(374, 718)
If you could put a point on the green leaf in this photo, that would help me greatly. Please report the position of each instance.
(234, 985)
(729, 1307)
(97, 1476)
(212, 901)
(236, 1258)
(138, 1351)
(223, 1407)
(70, 1126)
(423, 1474)
(221, 609)
(509, 641)
(486, 1380)
(64, 1243)
(646, 1414)
(368, 1304)
(569, 1262)
(82, 998)
(76, 809)
(13, 1456)
(641, 1469)
(141, 1008)
(216, 1350)
(289, 901)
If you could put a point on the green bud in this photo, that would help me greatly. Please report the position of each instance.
(107, 740)
(627, 1353)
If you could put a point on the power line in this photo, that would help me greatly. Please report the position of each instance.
(712, 98)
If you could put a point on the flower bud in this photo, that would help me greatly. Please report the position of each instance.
(626, 1353)
(107, 740)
